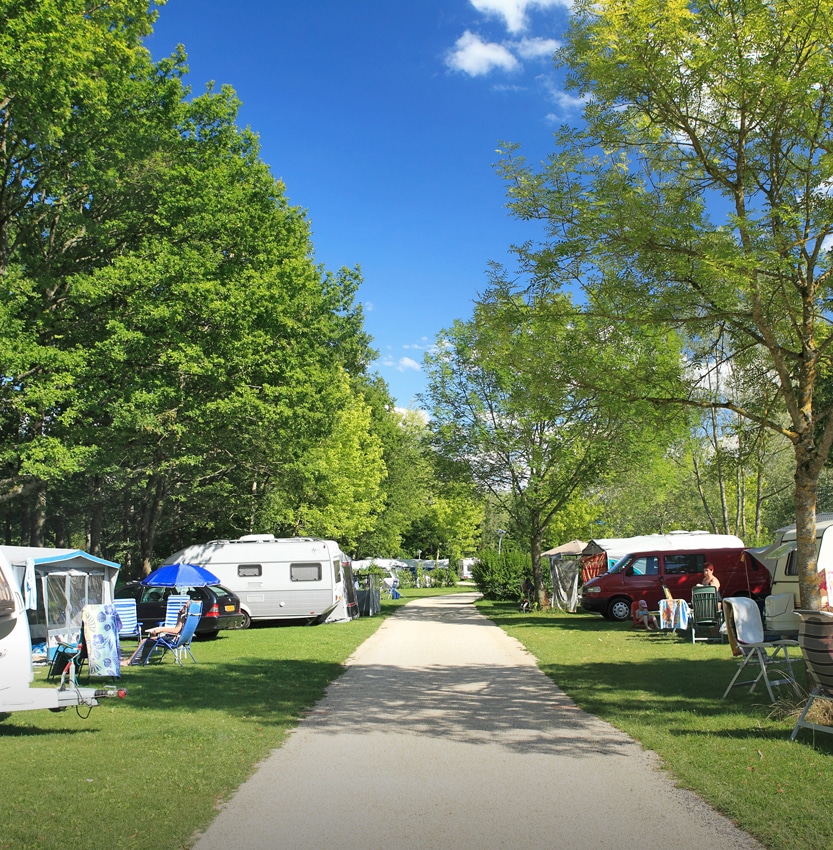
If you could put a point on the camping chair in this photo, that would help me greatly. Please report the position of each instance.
(673, 614)
(635, 618)
(181, 643)
(706, 615)
(173, 606)
(130, 625)
(814, 639)
(745, 630)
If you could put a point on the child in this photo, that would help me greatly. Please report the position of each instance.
(646, 619)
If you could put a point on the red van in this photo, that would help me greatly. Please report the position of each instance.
(642, 575)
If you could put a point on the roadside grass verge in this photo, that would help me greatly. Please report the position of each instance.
(667, 693)
(146, 772)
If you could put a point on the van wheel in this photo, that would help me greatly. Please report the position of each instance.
(619, 609)
(245, 621)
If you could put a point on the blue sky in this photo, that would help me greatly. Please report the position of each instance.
(383, 117)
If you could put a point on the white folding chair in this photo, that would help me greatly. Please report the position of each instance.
(745, 629)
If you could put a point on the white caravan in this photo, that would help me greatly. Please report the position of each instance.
(276, 578)
(16, 671)
(780, 559)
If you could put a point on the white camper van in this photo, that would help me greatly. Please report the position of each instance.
(285, 578)
(781, 561)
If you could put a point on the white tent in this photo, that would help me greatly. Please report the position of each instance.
(56, 584)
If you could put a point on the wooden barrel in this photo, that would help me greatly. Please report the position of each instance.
(815, 637)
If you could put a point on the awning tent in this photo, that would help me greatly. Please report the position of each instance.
(56, 584)
(564, 572)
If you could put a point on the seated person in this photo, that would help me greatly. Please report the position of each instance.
(143, 650)
(709, 579)
(644, 617)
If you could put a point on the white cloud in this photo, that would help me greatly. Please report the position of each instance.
(536, 48)
(475, 57)
(406, 363)
(368, 306)
(514, 12)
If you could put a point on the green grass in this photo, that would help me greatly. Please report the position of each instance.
(667, 693)
(147, 771)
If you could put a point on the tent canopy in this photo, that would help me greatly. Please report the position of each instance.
(574, 547)
(57, 583)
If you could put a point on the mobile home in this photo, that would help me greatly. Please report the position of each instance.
(276, 578)
(780, 559)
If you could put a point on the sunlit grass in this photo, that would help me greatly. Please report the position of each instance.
(667, 693)
(146, 772)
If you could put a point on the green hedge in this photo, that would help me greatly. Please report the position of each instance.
(500, 577)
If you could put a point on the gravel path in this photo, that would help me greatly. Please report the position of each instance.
(442, 732)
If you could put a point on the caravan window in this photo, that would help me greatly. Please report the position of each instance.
(792, 568)
(682, 564)
(305, 572)
(6, 597)
(249, 570)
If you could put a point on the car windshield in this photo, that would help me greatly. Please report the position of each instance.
(619, 565)
(219, 590)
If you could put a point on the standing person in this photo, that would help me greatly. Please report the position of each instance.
(527, 593)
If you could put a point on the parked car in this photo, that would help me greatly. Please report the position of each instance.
(220, 607)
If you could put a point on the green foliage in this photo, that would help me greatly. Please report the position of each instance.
(443, 577)
(681, 205)
(500, 577)
(175, 362)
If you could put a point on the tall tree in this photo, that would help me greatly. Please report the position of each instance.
(697, 195)
(171, 347)
(505, 406)
(83, 111)
(408, 481)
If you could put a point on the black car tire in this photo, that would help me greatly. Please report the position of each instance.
(619, 609)
(245, 621)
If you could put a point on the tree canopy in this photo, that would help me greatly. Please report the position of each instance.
(696, 196)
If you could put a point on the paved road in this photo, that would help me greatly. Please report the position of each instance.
(442, 733)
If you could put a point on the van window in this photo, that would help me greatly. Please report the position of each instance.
(647, 565)
(249, 570)
(791, 568)
(681, 564)
(305, 572)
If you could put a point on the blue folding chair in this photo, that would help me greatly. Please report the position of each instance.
(180, 643)
(130, 625)
(173, 606)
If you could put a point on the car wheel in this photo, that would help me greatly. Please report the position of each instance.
(619, 609)
(244, 623)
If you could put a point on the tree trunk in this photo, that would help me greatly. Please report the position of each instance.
(806, 486)
(38, 516)
(157, 490)
(537, 576)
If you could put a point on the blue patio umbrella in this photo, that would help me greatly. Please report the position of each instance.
(180, 575)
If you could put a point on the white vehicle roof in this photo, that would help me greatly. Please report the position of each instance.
(618, 547)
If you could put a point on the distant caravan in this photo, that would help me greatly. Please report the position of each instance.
(277, 578)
